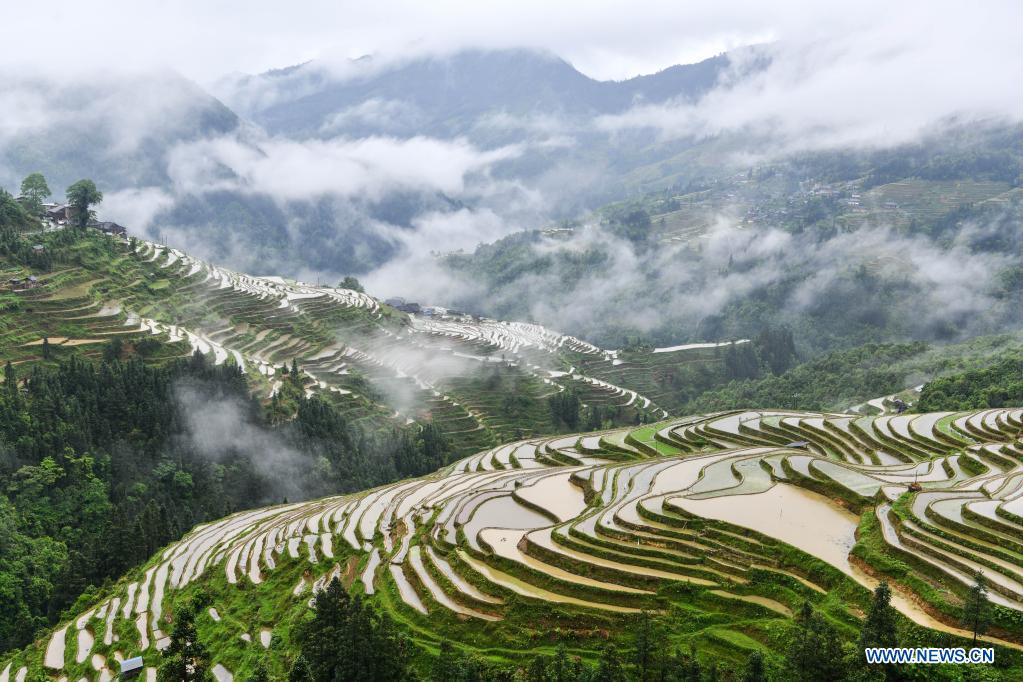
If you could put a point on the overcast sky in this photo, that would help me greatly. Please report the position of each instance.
(207, 38)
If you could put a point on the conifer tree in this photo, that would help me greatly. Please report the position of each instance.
(445, 667)
(754, 671)
(879, 631)
(261, 673)
(347, 640)
(976, 608)
(879, 627)
(185, 659)
(649, 645)
(610, 668)
(815, 650)
(300, 671)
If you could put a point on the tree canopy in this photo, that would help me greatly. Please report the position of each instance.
(33, 191)
(82, 196)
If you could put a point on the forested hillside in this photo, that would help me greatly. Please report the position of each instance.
(994, 386)
(101, 468)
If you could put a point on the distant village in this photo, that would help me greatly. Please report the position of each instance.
(58, 217)
(413, 308)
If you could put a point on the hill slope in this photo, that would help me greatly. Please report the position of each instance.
(480, 381)
(720, 517)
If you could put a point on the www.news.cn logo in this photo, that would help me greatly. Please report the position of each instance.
(931, 654)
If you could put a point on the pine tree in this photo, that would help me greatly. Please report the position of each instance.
(185, 659)
(446, 666)
(536, 671)
(300, 671)
(10, 378)
(815, 650)
(649, 648)
(563, 668)
(610, 668)
(976, 608)
(347, 640)
(879, 631)
(754, 671)
(261, 673)
(879, 627)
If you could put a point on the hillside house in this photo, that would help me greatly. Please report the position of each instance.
(21, 284)
(108, 227)
(58, 213)
(411, 307)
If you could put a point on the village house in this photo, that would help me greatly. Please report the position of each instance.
(111, 228)
(21, 284)
(58, 214)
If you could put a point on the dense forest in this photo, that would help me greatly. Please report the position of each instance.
(99, 468)
(999, 385)
(842, 376)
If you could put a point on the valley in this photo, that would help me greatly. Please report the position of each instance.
(511, 342)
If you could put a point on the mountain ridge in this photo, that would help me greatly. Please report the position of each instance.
(511, 81)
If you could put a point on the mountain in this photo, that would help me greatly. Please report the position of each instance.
(842, 247)
(117, 130)
(449, 96)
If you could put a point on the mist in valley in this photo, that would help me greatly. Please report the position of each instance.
(342, 165)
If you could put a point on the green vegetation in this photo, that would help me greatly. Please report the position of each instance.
(667, 562)
(840, 378)
(185, 659)
(34, 191)
(346, 640)
(100, 468)
(81, 197)
(149, 393)
(995, 386)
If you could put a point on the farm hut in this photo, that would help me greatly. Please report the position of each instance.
(797, 444)
(412, 307)
(131, 668)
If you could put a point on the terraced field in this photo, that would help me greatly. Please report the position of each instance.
(369, 359)
(727, 521)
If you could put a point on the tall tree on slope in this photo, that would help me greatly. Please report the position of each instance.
(82, 196)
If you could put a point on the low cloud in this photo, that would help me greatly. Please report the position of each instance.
(601, 287)
(865, 83)
(220, 429)
(137, 207)
(377, 114)
(293, 170)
